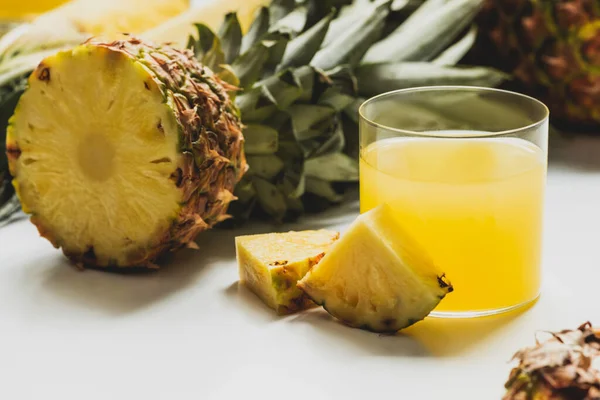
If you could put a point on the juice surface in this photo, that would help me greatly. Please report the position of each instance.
(476, 205)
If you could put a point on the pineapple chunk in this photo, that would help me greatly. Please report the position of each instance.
(376, 277)
(271, 264)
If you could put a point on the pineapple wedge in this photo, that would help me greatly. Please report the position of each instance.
(376, 277)
(271, 264)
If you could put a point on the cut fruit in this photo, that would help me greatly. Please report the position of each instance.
(376, 277)
(124, 151)
(271, 264)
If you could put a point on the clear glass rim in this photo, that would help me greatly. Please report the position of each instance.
(430, 134)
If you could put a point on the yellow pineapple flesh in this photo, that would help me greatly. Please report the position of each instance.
(123, 151)
(376, 277)
(271, 264)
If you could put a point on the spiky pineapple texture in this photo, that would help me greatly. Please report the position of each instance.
(553, 50)
(564, 367)
(123, 151)
(305, 67)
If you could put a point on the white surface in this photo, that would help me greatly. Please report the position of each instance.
(188, 332)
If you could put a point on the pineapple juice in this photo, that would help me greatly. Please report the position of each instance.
(13, 9)
(475, 204)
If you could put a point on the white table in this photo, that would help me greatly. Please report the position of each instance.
(188, 331)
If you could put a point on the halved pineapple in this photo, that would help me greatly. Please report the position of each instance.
(376, 277)
(271, 264)
(122, 151)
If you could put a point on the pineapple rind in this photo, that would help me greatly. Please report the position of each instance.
(270, 265)
(365, 282)
(207, 157)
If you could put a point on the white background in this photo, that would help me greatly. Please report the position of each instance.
(188, 331)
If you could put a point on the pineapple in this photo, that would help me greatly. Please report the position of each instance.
(550, 48)
(304, 70)
(297, 68)
(376, 277)
(125, 150)
(271, 264)
(563, 367)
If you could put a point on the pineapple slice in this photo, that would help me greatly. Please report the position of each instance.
(376, 277)
(271, 264)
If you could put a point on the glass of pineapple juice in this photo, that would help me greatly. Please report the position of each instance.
(464, 169)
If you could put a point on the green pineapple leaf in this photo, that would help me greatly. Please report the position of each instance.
(334, 167)
(351, 45)
(343, 90)
(260, 139)
(310, 80)
(207, 48)
(280, 8)
(291, 153)
(292, 23)
(319, 9)
(398, 5)
(245, 191)
(231, 37)
(258, 29)
(227, 74)
(375, 79)
(348, 16)
(305, 116)
(276, 52)
(250, 65)
(301, 50)
(335, 142)
(323, 189)
(284, 87)
(410, 43)
(453, 54)
(256, 105)
(265, 166)
(270, 198)
(352, 109)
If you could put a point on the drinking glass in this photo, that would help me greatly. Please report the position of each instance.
(464, 170)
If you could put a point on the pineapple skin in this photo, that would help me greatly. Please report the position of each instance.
(560, 368)
(551, 48)
(274, 280)
(376, 278)
(206, 172)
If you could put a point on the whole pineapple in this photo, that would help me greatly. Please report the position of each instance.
(125, 150)
(564, 367)
(553, 50)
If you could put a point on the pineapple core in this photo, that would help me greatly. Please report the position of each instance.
(94, 130)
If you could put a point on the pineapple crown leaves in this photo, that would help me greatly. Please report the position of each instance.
(290, 108)
(445, 21)
(304, 67)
